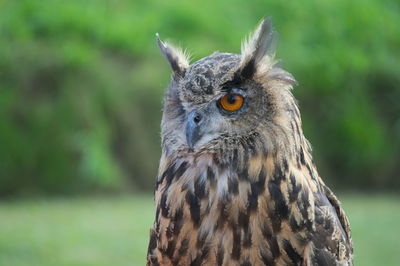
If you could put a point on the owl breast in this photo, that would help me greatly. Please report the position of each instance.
(215, 214)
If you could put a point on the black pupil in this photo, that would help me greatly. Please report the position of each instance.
(232, 99)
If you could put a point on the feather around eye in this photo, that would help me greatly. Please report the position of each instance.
(231, 102)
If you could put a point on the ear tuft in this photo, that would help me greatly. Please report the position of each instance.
(259, 50)
(176, 57)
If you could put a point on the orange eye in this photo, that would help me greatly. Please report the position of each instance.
(231, 102)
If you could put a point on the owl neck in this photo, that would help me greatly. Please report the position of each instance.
(224, 175)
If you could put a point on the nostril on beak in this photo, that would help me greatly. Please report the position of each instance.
(197, 118)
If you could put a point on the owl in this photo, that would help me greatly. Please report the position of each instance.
(237, 184)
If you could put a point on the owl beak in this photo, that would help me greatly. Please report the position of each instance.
(193, 126)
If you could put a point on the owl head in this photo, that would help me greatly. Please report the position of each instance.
(228, 102)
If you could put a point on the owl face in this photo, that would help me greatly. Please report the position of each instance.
(222, 98)
(216, 103)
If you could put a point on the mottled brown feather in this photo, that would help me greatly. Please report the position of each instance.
(248, 192)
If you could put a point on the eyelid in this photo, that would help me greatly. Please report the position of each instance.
(232, 90)
(226, 90)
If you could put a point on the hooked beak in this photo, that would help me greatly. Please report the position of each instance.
(193, 126)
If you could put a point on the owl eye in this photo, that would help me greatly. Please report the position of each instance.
(231, 102)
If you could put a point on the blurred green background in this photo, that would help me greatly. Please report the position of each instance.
(81, 85)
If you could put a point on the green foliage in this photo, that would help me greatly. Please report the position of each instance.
(81, 85)
(115, 230)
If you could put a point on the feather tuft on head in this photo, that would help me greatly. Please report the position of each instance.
(258, 50)
(176, 57)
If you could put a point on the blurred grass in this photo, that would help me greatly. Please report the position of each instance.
(114, 230)
(85, 231)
